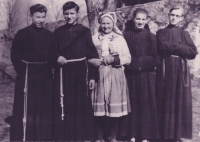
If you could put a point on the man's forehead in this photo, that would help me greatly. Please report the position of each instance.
(39, 13)
(177, 11)
(70, 10)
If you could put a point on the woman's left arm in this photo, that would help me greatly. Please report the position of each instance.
(124, 53)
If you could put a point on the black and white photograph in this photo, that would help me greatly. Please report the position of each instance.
(100, 70)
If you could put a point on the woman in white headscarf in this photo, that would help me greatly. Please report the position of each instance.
(110, 96)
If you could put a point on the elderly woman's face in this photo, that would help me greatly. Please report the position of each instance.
(106, 25)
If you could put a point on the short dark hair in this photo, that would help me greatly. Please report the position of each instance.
(69, 5)
(37, 8)
(140, 10)
(177, 8)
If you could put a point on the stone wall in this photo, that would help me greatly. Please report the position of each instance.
(3, 15)
(158, 18)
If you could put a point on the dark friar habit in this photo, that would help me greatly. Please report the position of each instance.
(142, 122)
(74, 42)
(31, 44)
(173, 83)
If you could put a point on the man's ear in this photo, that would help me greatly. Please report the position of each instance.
(182, 17)
(78, 16)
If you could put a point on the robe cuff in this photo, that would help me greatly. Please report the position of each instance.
(116, 60)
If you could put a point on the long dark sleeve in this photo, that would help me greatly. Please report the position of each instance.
(93, 72)
(185, 48)
(91, 49)
(54, 52)
(51, 52)
(147, 62)
(135, 62)
(16, 50)
(165, 47)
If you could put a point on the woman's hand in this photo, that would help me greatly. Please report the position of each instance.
(91, 84)
(109, 59)
(95, 62)
(61, 60)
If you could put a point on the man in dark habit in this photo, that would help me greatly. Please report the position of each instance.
(73, 113)
(175, 47)
(32, 110)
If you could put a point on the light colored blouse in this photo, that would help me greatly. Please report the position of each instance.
(112, 44)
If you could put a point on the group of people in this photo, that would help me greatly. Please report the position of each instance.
(110, 86)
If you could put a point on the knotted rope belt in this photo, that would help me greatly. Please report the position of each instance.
(26, 95)
(26, 91)
(185, 70)
(61, 85)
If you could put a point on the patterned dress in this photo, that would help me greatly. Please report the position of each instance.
(110, 96)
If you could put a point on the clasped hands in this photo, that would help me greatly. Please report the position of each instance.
(97, 62)
(105, 60)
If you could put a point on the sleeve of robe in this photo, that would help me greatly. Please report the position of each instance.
(50, 52)
(148, 62)
(54, 51)
(16, 49)
(93, 72)
(184, 49)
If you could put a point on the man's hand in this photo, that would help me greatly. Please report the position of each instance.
(91, 84)
(109, 59)
(95, 62)
(61, 60)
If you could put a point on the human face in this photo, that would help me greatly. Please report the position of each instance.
(70, 16)
(140, 20)
(175, 16)
(106, 25)
(38, 18)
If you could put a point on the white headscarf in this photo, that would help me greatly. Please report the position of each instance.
(113, 17)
